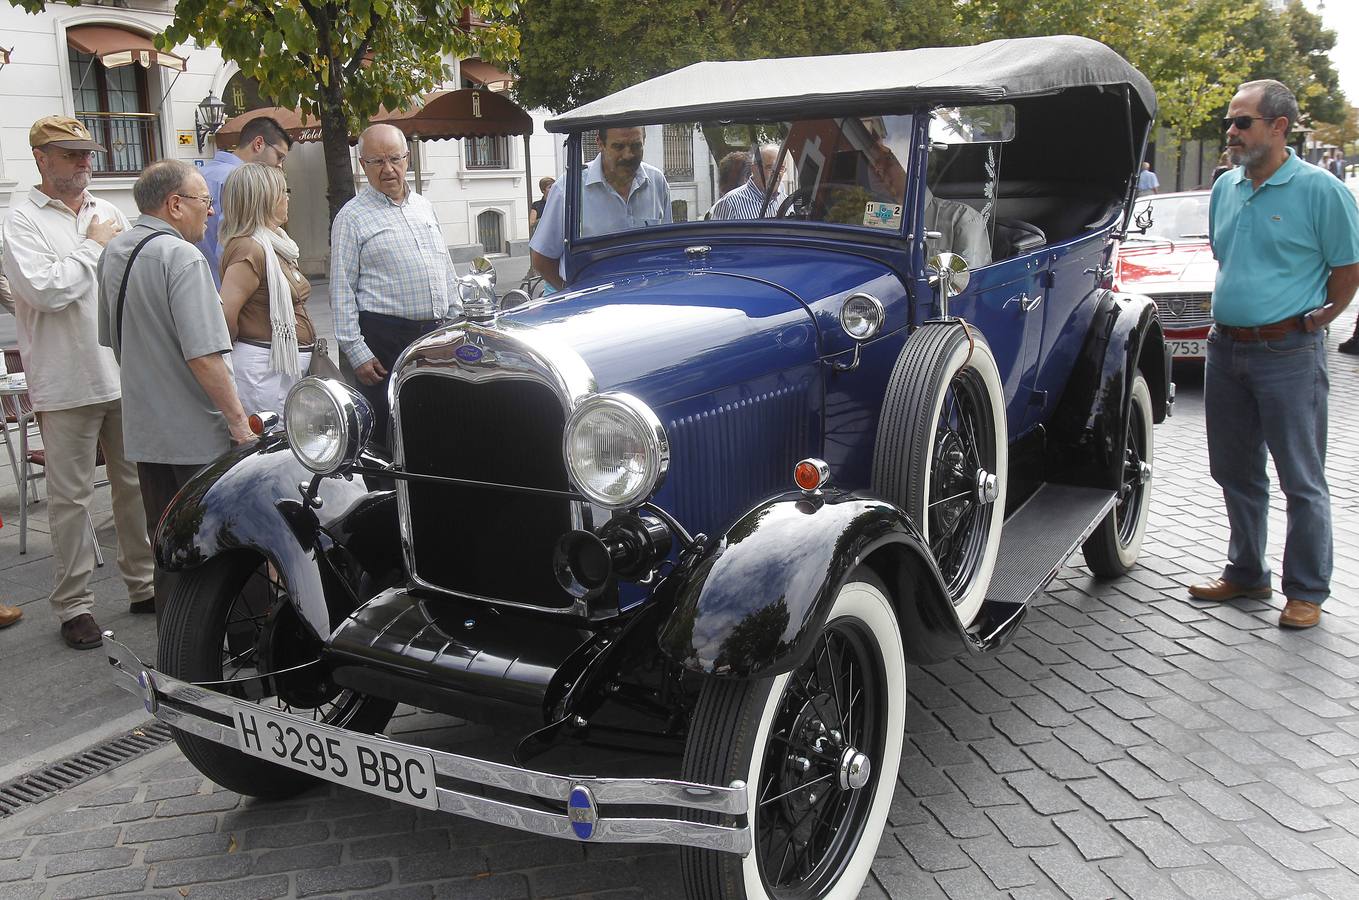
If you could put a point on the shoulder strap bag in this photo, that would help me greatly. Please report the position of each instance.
(122, 290)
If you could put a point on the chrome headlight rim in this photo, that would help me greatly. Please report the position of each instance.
(353, 413)
(649, 429)
(877, 315)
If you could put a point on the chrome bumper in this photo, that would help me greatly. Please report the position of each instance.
(208, 714)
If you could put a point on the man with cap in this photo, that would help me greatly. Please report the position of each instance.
(52, 247)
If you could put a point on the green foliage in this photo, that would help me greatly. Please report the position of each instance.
(35, 6)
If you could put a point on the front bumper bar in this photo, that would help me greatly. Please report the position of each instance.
(209, 714)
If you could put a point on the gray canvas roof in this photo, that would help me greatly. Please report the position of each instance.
(868, 82)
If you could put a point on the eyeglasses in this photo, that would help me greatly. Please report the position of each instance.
(1243, 123)
(288, 192)
(281, 154)
(204, 200)
(381, 161)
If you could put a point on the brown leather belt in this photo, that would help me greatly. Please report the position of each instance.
(1270, 332)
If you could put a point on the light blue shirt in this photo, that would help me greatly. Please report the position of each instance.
(1276, 245)
(603, 211)
(215, 172)
(388, 258)
(1147, 181)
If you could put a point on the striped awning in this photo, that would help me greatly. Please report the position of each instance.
(114, 47)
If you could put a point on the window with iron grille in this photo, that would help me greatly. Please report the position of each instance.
(589, 146)
(679, 152)
(113, 105)
(489, 232)
(487, 152)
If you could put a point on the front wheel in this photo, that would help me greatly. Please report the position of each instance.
(232, 618)
(818, 749)
(1113, 547)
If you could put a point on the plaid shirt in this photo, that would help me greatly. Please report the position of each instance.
(746, 201)
(387, 258)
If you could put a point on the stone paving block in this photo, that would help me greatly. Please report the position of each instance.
(1005, 867)
(430, 866)
(943, 749)
(576, 880)
(964, 884)
(411, 892)
(1138, 880)
(245, 889)
(140, 832)
(1282, 808)
(291, 835)
(1136, 779)
(1173, 738)
(14, 890)
(981, 698)
(1019, 728)
(1094, 840)
(114, 797)
(167, 789)
(1059, 760)
(1092, 746)
(1044, 793)
(958, 817)
(981, 786)
(1064, 694)
(1160, 844)
(17, 870)
(906, 810)
(1240, 748)
(204, 868)
(1299, 721)
(199, 803)
(1166, 765)
(88, 861)
(1217, 801)
(1296, 750)
(1209, 884)
(1221, 768)
(188, 847)
(1044, 711)
(1007, 683)
(931, 847)
(964, 724)
(355, 876)
(1084, 680)
(1073, 875)
(1315, 702)
(1001, 756)
(1264, 877)
(1189, 819)
(314, 856)
(135, 812)
(15, 848)
(1022, 827)
(487, 887)
(1108, 799)
(1303, 789)
(1237, 716)
(258, 813)
(1283, 847)
(923, 780)
(72, 842)
(1344, 850)
(74, 820)
(390, 822)
(101, 884)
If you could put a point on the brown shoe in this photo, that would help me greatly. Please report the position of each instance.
(9, 615)
(1299, 614)
(1222, 589)
(82, 632)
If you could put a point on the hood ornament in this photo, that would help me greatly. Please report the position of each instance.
(476, 290)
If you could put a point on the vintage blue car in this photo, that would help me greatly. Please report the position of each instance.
(698, 511)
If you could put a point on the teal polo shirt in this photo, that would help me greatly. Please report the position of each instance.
(1276, 245)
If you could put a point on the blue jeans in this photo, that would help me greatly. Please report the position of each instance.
(1271, 395)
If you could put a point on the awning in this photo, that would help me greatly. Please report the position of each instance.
(457, 114)
(114, 47)
(484, 73)
(4, 57)
(299, 128)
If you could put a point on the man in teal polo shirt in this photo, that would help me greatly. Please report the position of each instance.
(1286, 237)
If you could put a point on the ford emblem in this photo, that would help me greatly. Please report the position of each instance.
(468, 353)
(584, 812)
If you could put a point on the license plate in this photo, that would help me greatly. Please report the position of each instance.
(366, 764)
(1195, 349)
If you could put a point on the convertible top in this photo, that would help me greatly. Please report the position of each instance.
(867, 82)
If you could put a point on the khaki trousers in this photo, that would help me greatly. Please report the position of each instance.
(70, 437)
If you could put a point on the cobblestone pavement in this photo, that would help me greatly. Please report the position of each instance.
(1129, 743)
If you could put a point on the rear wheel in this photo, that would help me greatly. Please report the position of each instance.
(942, 454)
(232, 618)
(818, 749)
(1113, 548)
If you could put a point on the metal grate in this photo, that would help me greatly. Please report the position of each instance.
(47, 782)
(1185, 310)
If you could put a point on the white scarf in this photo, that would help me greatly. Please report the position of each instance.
(282, 320)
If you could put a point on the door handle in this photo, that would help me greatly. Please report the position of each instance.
(1026, 303)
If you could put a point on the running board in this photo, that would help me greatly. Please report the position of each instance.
(1041, 535)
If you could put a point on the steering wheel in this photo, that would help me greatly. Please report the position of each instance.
(794, 205)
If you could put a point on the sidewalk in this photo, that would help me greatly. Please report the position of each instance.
(1130, 743)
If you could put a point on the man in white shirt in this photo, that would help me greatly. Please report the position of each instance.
(53, 241)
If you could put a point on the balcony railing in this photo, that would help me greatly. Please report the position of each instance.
(131, 139)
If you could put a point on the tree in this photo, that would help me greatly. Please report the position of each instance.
(577, 52)
(1343, 134)
(341, 60)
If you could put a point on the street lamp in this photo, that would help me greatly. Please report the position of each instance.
(209, 116)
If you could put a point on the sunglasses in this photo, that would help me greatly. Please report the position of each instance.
(1243, 123)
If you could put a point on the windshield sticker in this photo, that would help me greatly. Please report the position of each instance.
(882, 215)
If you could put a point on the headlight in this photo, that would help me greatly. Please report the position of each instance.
(616, 450)
(861, 316)
(327, 422)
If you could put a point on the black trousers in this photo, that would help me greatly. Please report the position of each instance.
(159, 483)
(387, 336)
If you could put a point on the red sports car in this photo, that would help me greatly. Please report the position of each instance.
(1166, 256)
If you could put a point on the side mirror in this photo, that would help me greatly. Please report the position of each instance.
(482, 266)
(950, 276)
(513, 298)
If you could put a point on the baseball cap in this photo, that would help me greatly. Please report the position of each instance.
(63, 132)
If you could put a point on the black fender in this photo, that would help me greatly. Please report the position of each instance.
(1086, 430)
(755, 603)
(252, 499)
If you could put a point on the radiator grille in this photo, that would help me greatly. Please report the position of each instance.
(483, 541)
(1185, 310)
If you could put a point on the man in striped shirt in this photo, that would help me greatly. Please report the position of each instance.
(391, 280)
(747, 201)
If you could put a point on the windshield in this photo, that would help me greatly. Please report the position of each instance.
(1175, 218)
(846, 171)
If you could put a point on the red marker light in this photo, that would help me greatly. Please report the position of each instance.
(811, 474)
